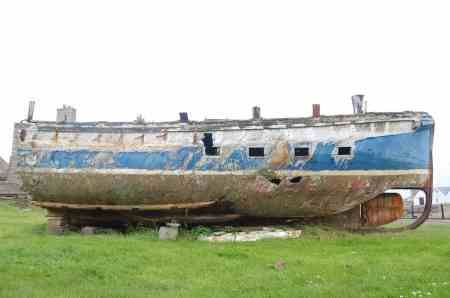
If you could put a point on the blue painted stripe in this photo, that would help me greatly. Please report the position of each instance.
(393, 152)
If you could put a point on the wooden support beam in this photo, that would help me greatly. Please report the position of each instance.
(52, 205)
(207, 218)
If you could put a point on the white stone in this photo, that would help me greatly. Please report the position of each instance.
(168, 233)
(265, 233)
(88, 230)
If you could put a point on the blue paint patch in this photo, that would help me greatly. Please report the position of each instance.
(322, 158)
(393, 152)
(183, 158)
(239, 160)
(405, 151)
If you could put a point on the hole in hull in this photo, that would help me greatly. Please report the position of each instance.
(23, 135)
(276, 181)
(296, 179)
(208, 143)
(413, 202)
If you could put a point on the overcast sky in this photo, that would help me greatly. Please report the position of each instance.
(114, 59)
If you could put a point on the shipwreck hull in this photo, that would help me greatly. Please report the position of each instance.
(296, 167)
(310, 195)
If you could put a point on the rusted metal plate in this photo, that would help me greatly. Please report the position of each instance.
(382, 210)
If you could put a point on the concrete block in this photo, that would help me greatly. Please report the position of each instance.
(169, 232)
(88, 230)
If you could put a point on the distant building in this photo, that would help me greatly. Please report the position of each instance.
(3, 169)
(441, 195)
(8, 188)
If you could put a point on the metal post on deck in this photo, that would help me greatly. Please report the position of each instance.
(256, 111)
(31, 105)
(316, 110)
(358, 104)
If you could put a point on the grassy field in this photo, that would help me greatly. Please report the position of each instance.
(323, 263)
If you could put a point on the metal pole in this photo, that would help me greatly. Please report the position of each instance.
(31, 110)
(316, 110)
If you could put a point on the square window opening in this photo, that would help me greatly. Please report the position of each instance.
(345, 151)
(212, 151)
(256, 151)
(301, 151)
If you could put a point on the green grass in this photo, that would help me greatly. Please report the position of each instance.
(323, 263)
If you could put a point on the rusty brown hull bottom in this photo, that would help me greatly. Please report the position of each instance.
(250, 195)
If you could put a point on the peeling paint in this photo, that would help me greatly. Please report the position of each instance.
(165, 163)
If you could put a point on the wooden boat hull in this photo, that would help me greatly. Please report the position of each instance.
(98, 164)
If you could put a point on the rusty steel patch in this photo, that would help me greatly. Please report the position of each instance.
(384, 209)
